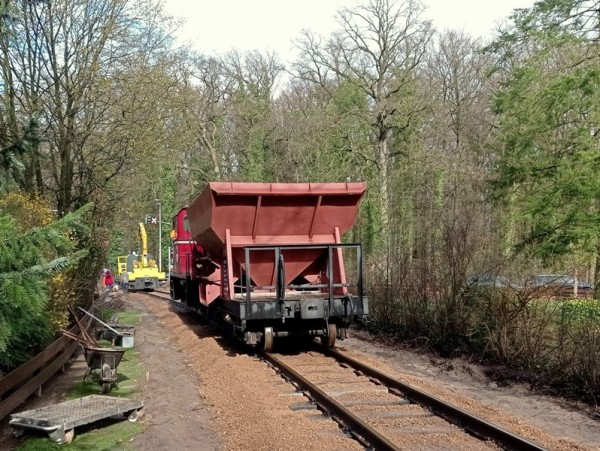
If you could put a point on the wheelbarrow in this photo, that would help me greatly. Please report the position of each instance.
(106, 360)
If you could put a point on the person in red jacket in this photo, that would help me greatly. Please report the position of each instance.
(108, 280)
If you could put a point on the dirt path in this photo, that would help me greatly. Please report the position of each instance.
(175, 415)
(249, 404)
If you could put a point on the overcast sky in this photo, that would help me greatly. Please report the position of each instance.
(217, 26)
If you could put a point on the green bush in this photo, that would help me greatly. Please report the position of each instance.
(580, 310)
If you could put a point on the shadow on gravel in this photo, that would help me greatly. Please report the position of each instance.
(232, 346)
(235, 347)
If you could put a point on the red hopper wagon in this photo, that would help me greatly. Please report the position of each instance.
(268, 260)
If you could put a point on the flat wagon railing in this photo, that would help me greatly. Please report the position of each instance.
(29, 378)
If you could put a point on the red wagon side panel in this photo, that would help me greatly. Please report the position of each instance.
(273, 214)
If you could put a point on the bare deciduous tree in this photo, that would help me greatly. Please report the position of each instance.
(69, 65)
(378, 48)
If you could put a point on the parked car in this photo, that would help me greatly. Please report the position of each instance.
(561, 285)
(489, 281)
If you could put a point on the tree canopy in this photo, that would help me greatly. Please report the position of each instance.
(549, 106)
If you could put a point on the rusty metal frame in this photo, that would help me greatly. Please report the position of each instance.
(331, 248)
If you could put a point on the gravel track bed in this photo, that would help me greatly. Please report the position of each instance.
(408, 425)
(250, 402)
(251, 406)
(203, 394)
(548, 435)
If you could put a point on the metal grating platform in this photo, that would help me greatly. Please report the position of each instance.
(65, 416)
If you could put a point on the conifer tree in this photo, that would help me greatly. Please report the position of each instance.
(28, 258)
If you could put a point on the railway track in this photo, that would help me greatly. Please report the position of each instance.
(159, 294)
(384, 413)
(379, 411)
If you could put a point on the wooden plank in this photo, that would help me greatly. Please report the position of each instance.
(19, 396)
(17, 376)
(27, 370)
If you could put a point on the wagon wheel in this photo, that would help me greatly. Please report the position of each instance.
(107, 373)
(268, 339)
(328, 340)
(132, 416)
(69, 435)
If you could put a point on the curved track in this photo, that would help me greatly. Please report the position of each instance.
(378, 410)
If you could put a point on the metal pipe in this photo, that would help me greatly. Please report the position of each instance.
(159, 237)
(101, 322)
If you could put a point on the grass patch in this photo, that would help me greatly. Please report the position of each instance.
(101, 435)
(105, 434)
(124, 318)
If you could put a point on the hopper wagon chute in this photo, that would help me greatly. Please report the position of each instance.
(268, 259)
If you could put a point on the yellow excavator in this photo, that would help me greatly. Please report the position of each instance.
(142, 269)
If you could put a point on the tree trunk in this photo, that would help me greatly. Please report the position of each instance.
(382, 161)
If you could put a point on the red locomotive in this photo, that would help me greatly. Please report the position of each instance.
(267, 259)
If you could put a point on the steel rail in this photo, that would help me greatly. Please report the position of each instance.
(179, 306)
(461, 418)
(351, 422)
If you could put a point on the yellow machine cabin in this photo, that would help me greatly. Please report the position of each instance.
(121, 265)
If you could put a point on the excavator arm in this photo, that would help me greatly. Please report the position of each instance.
(144, 243)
